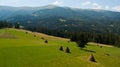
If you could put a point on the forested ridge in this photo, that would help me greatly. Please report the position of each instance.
(63, 18)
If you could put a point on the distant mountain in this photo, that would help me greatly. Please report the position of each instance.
(63, 18)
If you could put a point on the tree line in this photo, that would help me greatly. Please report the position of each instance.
(5, 24)
(81, 38)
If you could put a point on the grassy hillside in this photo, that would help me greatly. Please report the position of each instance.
(18, 49)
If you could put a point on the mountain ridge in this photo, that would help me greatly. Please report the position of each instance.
(52, 17)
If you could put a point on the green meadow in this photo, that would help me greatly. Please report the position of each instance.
(21, 49)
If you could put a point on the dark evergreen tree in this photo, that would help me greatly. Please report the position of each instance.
(74, 37)
(81, 44)
(17, 25)
(5, 24)
(83, 40)
(117, 42)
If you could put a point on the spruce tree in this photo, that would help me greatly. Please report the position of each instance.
(17, 25)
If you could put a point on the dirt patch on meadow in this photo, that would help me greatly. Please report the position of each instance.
(7, 35)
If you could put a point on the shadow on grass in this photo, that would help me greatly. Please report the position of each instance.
(88, 50)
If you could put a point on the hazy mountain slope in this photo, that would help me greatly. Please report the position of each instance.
(63, 18)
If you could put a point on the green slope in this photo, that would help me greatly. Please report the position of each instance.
(18, 49)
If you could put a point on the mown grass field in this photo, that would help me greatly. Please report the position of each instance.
(18, 49)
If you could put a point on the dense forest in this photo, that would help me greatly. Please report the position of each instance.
(106, 38)
(82, 38)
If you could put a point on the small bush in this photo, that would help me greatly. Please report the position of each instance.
(34, 35)
(101, 46)
(67, 50)
(46, 41)
(42, 38)
(68, 41)
(61, 48)
(26, 32)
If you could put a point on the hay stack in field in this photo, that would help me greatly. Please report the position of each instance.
(92, 58)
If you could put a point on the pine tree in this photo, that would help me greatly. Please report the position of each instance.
(17, 25)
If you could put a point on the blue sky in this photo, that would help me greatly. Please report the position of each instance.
(113, 5)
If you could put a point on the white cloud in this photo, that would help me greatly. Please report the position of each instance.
(96, 6)
(92, 5)
(57, 3)
(86, 3)
(107, 7)
(116, 8)
(12, 2)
